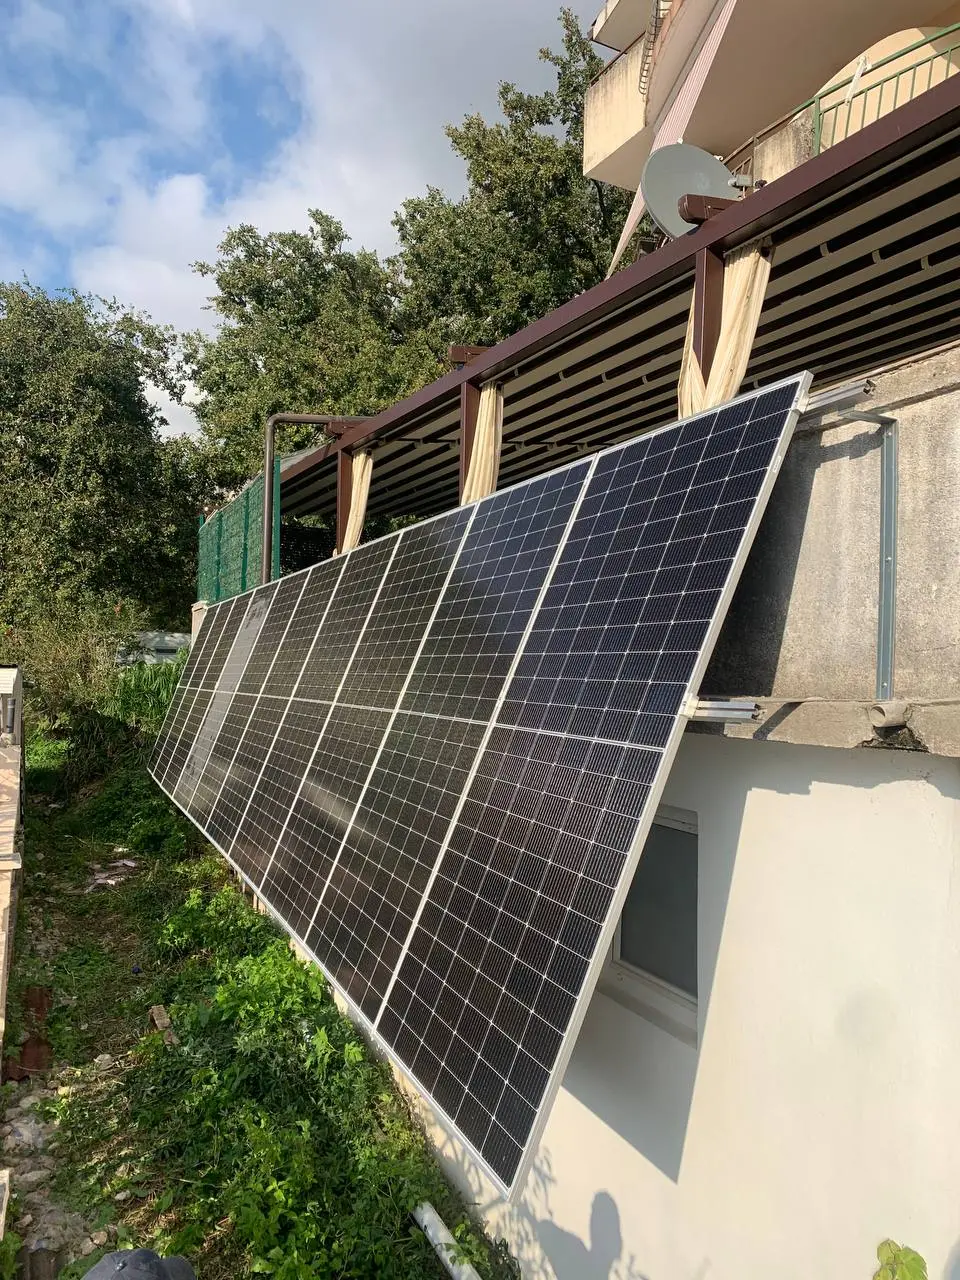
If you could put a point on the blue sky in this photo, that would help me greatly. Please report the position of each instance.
(135, 131)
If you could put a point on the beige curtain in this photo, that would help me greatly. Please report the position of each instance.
(745, 276)
(361, 471)
(485, 458)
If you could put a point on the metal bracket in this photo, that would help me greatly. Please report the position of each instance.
(722, 710)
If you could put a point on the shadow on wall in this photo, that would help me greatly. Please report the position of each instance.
(637, 1076)
(571, 1259)
(747, 656)
(952, 1270)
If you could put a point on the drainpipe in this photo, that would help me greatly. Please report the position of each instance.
(269, 442)
(444, 1245)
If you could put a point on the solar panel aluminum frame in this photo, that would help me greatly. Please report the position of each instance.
(605, 940)
(369, 1025)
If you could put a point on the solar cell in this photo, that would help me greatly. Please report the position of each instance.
(198, 757)
(495, 967)
(197, 661)
(436, 758)
(205, 677)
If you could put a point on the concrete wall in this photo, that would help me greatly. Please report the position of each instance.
(819, 1114)
(804, 620)
(615, 141)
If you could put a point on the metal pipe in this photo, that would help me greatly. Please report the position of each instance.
(444, 1245)
(887, 603)
(269, 498)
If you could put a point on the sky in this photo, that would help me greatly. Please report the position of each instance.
(136, 131)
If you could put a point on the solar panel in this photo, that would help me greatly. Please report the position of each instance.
(436, 758)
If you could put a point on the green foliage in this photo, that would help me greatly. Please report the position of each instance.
(306, 326)
(10, 1247)
(67, 652)
(68, 655)
(531, 231)
(268, 1141)
(309, 325)
(104, 507)
(898, 1262)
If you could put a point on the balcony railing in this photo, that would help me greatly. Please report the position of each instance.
(846, 107)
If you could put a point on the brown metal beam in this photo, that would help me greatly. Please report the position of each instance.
(344, 495)
(469, 409)
(897, 134)
(707, 307)
(458, 356)
(697, 209)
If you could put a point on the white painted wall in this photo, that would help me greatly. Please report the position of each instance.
(821, 1112)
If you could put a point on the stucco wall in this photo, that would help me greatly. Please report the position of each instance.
(820, 1113)
(804, 619)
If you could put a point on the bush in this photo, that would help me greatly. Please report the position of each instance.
(67, 653)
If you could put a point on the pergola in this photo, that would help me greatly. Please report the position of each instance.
(866, 259)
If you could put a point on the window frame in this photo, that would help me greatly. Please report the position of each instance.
(660, 1002)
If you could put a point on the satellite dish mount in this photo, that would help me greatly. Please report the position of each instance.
(683, 186)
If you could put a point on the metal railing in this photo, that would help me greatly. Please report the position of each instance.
(843, 108)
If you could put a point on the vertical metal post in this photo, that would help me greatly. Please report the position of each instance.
(219, 519)
(275, 566)
(707, 307)
(817, 126)
(266, 549)
(201, 554)
(244, 555)
(344, 495)
(469, 411)
(887, 610)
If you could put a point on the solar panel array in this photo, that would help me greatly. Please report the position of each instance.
(436, 758)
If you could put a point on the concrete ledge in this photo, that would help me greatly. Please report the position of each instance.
(816, 722)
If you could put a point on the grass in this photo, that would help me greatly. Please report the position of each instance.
(268, 1141)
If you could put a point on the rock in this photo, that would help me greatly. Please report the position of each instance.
(5, 1129)
(99, 1239)
(32, 1178)
(159, 1017)
(112, 1230)
(30, 1100)
(102, 1062)
(87, 1247)
(121, 1196)
(26, 1134)
(24, 1221)
(64, 1090)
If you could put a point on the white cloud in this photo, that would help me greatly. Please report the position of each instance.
(181, 420)
(373, 84)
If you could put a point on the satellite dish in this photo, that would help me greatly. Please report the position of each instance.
(681, 170)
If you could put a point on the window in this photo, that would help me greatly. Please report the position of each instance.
(653, 964)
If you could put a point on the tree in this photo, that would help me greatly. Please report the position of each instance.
(100, 508)
(307, 326)
(530, 233)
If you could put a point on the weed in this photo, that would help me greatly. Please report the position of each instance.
(9, 1248)
(268, 1140)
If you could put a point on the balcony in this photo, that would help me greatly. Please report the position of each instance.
(620, 23)
(639, 89)
(615, 137)
(843, 108)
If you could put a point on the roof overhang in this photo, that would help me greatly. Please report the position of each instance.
(866, 267)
